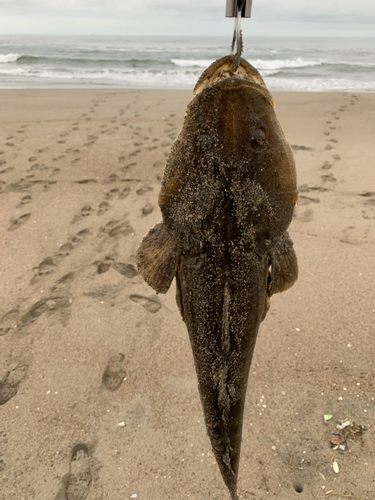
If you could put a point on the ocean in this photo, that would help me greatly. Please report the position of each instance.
(286, 64)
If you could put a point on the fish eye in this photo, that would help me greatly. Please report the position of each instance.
(258, 138)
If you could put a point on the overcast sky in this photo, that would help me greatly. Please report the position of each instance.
(186, 17)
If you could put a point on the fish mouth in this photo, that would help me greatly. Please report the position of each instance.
(224, 68)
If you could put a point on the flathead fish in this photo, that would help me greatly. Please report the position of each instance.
(227, 199)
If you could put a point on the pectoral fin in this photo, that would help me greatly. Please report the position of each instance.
(157, 258)
(284, 266)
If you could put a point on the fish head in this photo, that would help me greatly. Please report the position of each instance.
(224, 68)
(231, 135)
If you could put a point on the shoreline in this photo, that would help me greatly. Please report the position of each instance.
(56, 87)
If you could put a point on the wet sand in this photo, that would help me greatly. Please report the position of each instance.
(98, 393)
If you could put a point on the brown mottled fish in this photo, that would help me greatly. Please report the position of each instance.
(227, 199)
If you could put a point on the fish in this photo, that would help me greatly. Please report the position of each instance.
(227, 198)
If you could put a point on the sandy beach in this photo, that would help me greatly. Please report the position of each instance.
(98, 392)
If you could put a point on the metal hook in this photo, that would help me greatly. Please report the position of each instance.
(238, 9)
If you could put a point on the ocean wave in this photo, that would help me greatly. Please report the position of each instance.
(351, 65)
(319, 85)
(122, 78)
(7, 58)
(71, 63)
(183, 79)
(263, 65)
(192, 63)
(278, 64)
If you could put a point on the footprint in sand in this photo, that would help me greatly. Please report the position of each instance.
(49, 304)
(147, 209)
(9, 321)
(80, 236)
(114, 373)
(127, 270)
(306, 200)
(10, 383)
(329, 177)
(144, 189)
(25, 200)
(85, 211)
(63, 284)
(67, 247)
(296, 147)
(327, 165)
(87, 181)
(16, 223)
(350, 235)
(304, 188)
(151, 304)
(134, 153)
(336, 157)
(370, 198)
(104, 265)
(111, 178)
(103, 208)
(124, 193)
(117, 228)
(46, 266)
(79, 478)
(113, 192)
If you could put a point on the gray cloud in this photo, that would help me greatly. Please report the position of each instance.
(195, 17)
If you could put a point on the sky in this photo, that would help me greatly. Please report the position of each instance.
(186, 17)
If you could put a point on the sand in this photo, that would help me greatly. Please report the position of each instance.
(98, 393)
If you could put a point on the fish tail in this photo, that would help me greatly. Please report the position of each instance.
(223, 328)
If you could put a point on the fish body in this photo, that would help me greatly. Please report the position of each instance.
(227, 199)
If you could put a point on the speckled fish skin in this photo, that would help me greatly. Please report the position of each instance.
(227, 199)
